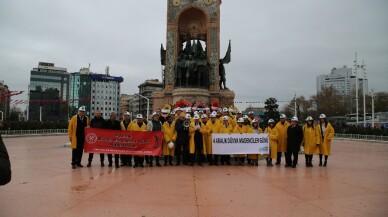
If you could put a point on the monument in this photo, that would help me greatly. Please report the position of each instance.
(192, 68)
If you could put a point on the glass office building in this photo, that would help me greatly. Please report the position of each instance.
(48, 93)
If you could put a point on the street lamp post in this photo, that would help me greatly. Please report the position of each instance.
(355, 70)
(363, 89)
(148, 103)
(373, 109)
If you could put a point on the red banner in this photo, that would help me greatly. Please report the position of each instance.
(123, 142)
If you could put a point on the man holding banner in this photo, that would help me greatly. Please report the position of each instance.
(294, 141)
(225, 128)
(139, 126)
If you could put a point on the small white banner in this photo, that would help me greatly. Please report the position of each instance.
(235, 143)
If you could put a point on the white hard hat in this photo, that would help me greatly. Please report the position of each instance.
(203, 116)
(154, 113)
(166, 110)
(139, 116)
(172, 113)
(170, 145)
(238, 112)
(200, 111)
(309, 118)
(188, 116)
(188, 110)
(225, 118)
(282, 116)
(271, 121)
(294, 119)
(250, 112)
(322, 116)
(196, 117)
(196, 112)
(240, 120)
(82, 109)
(225, 109)
(245, 116)
(213, 115)
(127, 113)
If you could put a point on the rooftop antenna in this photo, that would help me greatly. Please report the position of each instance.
(107, 70)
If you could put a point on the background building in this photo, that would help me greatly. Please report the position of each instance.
(4, 101)
(343, 80)
(97, 92)
(129, 103)
(48, 93)
(146, 89)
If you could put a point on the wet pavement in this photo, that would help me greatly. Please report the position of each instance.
(355, 183)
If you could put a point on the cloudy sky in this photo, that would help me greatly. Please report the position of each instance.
(278, 47)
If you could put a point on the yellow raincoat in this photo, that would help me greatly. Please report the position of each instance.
(211, 128)
(282, 130)
(169, 135)
(325, 142)
(310, 140)
(273, 135)
(72, 128)
(191, 137)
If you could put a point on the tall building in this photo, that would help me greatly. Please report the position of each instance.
(146, 89)
(97, 92)
(343, 80)
(48, 93)
(4, 101)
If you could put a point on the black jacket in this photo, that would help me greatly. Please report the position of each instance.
(112, 125)
(5, 165)
(294, 137)
(97, 123)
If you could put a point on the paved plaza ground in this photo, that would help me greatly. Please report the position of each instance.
(355, 183)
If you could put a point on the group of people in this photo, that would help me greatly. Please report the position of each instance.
(187, 137)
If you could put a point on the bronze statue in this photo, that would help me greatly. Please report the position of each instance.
(221, 67)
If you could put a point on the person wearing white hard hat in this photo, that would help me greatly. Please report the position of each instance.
(97, 122)
(154, 125)
(253, 159)
(196, 140)
(182, 141)
(240, 158)
(273, 135)
(310, 141)
(169, 136)
(325, 135)
(294, 141)
(125, 125)
(251, 116)
(178, 112)
(204, 119)
(212, 126)
(225, 128)
(282, 127)
(142, 127)
(76, 132)
(235, 119)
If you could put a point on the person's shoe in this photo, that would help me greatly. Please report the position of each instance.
(117, 166)
(165, 163)
(320, 163)
(200, 164)
(287, 165)
(311, 165)
(185, 163)
(215, 164)
(151, 164)
(158, 164)
(293, 166)
(80, 165)
(73, 166)
(89, 164)
(123, 164)
(141, 165)
(277, 163)
(228, 163)
(130, 164)
(110, 165)
(270, 164)
(325, 164)
(102, 164)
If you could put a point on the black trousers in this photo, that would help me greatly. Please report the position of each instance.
(116, 159)
(139, 160)
(185, 153)
(126, 159)
(292, 156)
(76, 153)
(225, 158)
(279, 157)
(102, 157)
(152, 159)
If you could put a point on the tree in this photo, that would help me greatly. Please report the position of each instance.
(381, 101)
(271, 109)
(330, 102)
(304, 107)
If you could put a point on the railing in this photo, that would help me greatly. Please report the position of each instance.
(361, 137)
(28, 132)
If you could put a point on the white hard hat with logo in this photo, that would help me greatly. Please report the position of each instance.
(322, 116)
(139, 116)
(240, 120)
(309, 118)
(188, 116)
(282, 116)
(271, 121)
(294, 119)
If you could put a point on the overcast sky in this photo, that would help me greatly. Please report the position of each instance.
(278, 47)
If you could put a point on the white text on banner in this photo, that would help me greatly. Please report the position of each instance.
(246, 143)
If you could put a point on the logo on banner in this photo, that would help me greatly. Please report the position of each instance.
(263, 149)
(91, 138)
